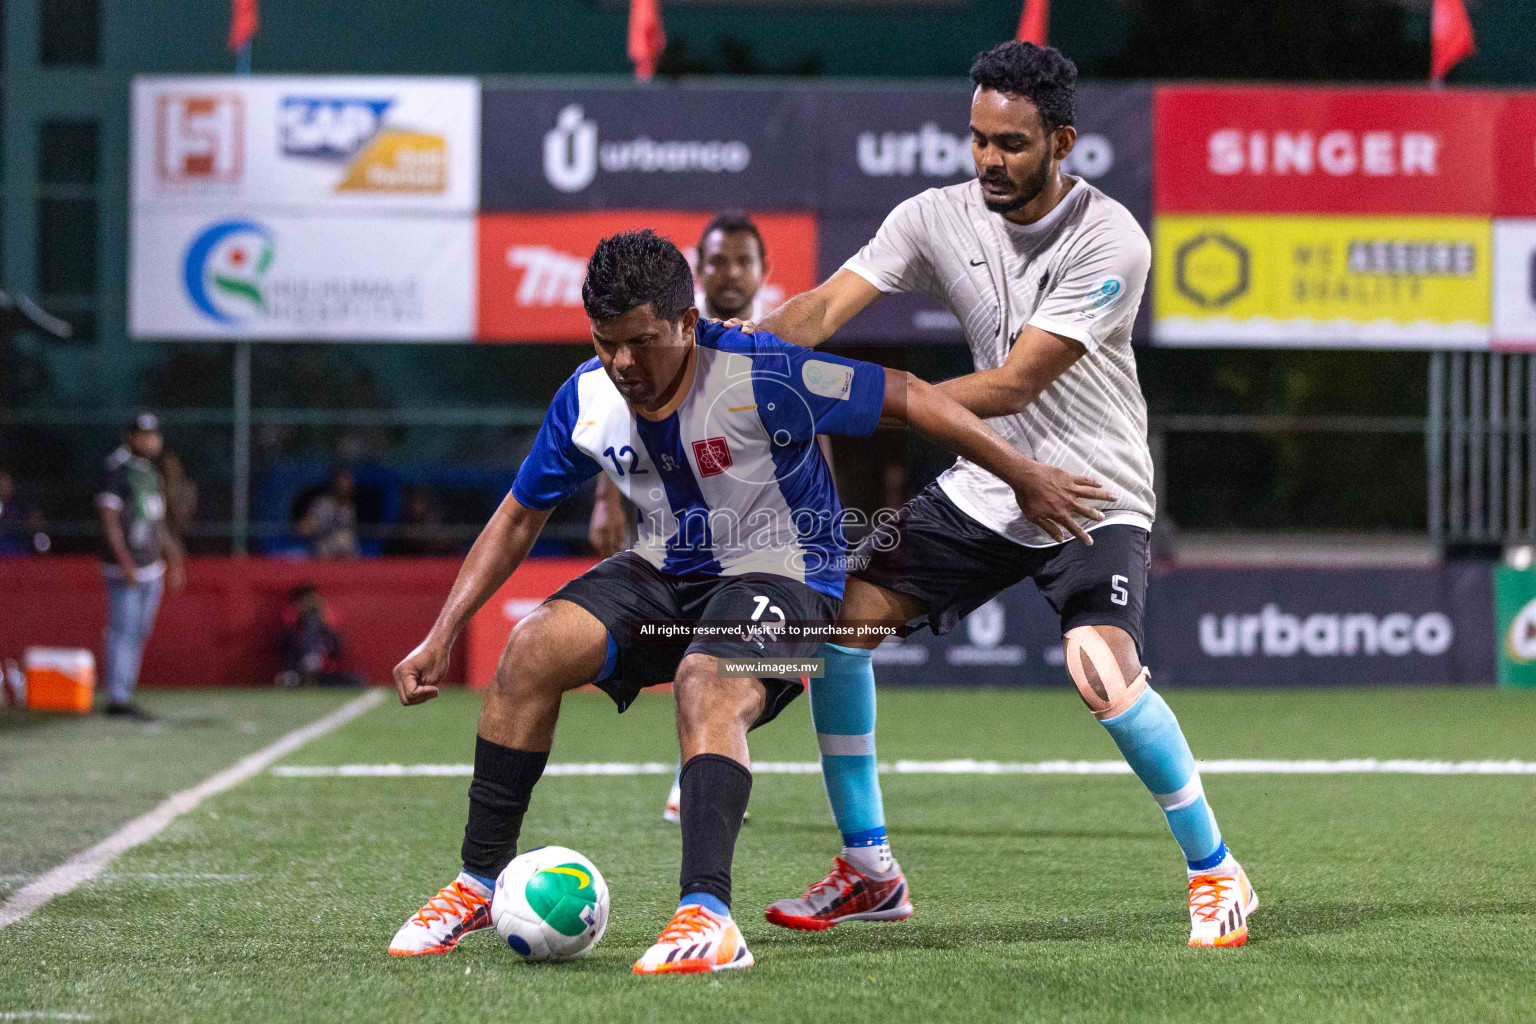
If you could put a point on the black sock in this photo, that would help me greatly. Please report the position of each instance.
(715, 793)
(498, 798)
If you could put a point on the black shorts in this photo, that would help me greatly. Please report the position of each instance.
(953, 564)
(722, 616)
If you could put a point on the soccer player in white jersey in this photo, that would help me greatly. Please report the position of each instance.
(1044, 273)
(711, 433)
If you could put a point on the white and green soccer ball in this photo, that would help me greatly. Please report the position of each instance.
(550, 904)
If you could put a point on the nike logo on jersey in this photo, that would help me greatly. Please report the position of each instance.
(977, 263)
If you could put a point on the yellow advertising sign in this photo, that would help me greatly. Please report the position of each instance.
(1280, 280)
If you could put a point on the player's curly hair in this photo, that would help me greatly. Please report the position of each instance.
(1041, 74)
(633, 268)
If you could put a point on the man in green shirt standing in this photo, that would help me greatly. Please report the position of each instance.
(138, 556)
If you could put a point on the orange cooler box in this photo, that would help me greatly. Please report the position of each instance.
(60, 679)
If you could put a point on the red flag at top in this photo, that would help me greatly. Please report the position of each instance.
(646, 37)
(243, 22)
(1033, 21)
(1450, 37)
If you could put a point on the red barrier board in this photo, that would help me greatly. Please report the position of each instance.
(222, 629)
(1311, 150)
(532, 264)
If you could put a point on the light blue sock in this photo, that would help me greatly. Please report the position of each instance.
(843, 710)
(1154, 746)
(707, 901)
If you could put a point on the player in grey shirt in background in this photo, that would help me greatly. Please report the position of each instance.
(1045, 274)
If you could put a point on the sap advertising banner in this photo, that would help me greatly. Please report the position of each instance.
(334, 143)
(688, 149)
(218, 277)
(881, 146)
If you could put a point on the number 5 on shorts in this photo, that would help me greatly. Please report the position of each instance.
(1118, 594)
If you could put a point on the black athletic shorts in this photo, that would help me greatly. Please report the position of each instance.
(954, 565)
(722, 616)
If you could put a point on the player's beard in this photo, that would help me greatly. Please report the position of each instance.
(1029, 188)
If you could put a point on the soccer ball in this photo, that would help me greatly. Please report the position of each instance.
(550, 904)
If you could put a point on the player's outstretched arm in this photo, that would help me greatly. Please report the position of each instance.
(1050, 498)
(500, 548)
(1037, 358)
(812, 317)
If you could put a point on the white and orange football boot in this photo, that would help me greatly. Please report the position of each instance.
(846, 894)
(1219, 905)
(460, 907)
(696, 941)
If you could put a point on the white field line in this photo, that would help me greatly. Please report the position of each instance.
(1353, 766)
(42, 1015)
(84, 866)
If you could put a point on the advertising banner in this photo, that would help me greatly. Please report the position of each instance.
(1516, 140)
(1321, 627)
(1514, 284)
(531, 265)
(1253, 627)
(880, 146)
(324, 143)
(1236, 149)
(1012, 640)
(688, 149)
(350, 278)
(1308, 281)
(1515, 614)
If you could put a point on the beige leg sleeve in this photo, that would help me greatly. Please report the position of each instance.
(1097, 673)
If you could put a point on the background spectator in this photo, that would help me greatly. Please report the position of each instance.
(420, 530)
(21, 521)
(180, 495)
(330, 521)
(138, 555)
(310, 643)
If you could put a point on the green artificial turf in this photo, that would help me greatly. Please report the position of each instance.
(1052, 898)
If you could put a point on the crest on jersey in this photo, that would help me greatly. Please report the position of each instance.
(713, 456)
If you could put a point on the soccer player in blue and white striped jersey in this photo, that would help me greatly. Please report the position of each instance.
(712, 434)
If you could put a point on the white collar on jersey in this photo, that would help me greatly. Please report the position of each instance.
(1049, 221)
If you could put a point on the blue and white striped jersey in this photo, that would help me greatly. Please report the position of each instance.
(733, 482)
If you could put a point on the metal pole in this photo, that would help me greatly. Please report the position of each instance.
(240, 494)
(1512, 416)
(240, 463)
(1476, 383)
(1495, 445)
(1434, 446)
(1458, 443)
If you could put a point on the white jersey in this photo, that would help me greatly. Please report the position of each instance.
(758, 308)
(1078, 272)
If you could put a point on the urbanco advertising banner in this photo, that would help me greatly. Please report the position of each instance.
(1322, 627)
(665, 148)
(1253, 627)
(347, 278)
(1314, 281)
(880, 146)
(324, 143)
(531, 265)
